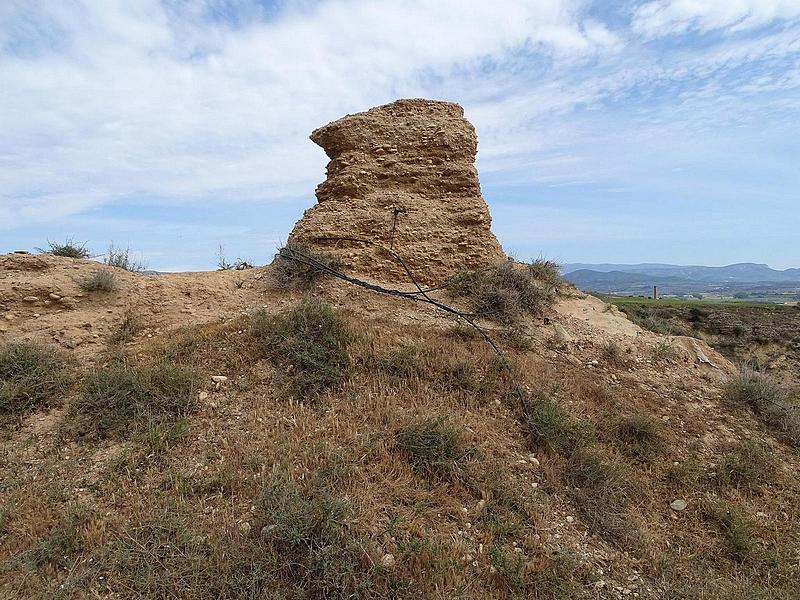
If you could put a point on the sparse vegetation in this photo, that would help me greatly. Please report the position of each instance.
(99, 281)
(434, 447)
(69, 249)
(505, 292)
(296, 265)
(120, 399)
(32, 376)
(319, 556)
(309, 343)
(121, 258)
(546, 271)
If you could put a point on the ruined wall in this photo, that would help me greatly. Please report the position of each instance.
(402, 174)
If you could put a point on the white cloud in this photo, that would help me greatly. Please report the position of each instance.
(151, 100)
(670, 17)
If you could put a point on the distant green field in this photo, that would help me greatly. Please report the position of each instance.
(636, 300)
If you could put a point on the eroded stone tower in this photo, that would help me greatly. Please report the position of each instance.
(402, 175)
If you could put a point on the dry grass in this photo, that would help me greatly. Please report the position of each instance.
(32, 377)
(638, 436)
(344, 497)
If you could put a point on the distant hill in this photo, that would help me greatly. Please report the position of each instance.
(741, 278)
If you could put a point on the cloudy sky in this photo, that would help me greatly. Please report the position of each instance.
(626, 131)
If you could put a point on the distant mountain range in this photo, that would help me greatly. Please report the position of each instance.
(740, 278)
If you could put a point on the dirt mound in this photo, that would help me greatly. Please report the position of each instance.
(402, 175)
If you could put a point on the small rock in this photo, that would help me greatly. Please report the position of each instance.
(533, 460)
(53, 296)
(244, 527)
(219, 378)
(570, 519)
(202, 395)
(388, 560)
(678, 505)
(30, 299)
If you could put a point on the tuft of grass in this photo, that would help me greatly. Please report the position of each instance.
(768, 401)
(614, 353)
(309, 343)
(319, 556)
(128, 327)
(121, 258)
(547, 271)
(747, 466)
(32, 376)
(551, 426)
(59, 547)
(433, 447)
(736, 529)
(99, 281)
(69, 249)
(295, 266)
(503, 293)
(119, 399)
(638, 436)
(602, 490)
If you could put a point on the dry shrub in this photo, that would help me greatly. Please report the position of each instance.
(69, 249)
(32, 376)
(296, 266)
(552, 427)
(121, 259)
(603, 487)
(99, 281)
(503, 293)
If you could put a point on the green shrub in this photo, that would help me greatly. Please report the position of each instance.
(68, 249)
(433, 447)
(309, 532)
(503, 293)
(309, 343)
(119, 399)
(768, 401)
(121, 259)
(295, 265)
(31, 377)
(99, 281)
(638, 436)
(550, 426)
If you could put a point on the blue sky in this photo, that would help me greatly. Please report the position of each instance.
(649, 131)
